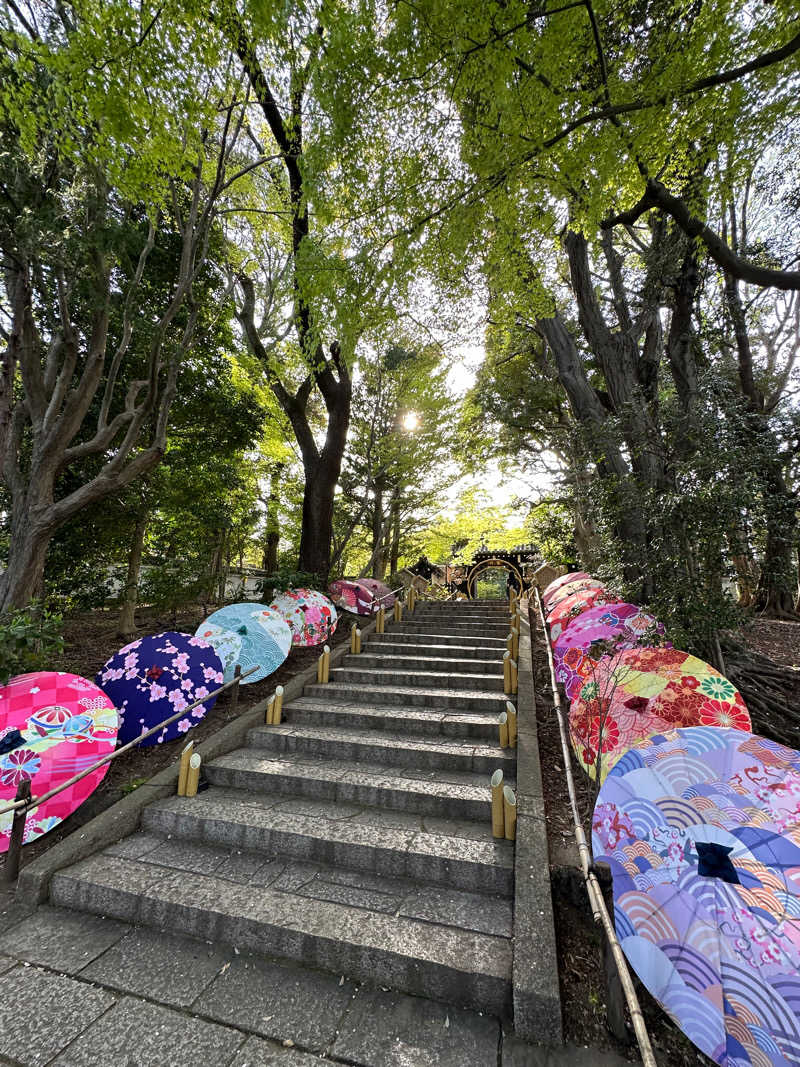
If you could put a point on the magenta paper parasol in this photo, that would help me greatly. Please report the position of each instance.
(384, 597)
(581, 585)
(577, 604)
(626, 625)
(565, 579)
(52, 725)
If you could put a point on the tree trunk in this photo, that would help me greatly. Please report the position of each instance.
(378, 554)
(776, 584)
(317, 531)
(395, 549)
(270, 558)
(126, 626)
(23, 578)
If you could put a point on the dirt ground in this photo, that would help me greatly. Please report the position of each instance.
(91, 639)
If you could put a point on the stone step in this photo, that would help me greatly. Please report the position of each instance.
(425, 849)
(463, 699)
(380, 746)
(449, 652)
(453, 794)
(459, 616)
(414, 637)
(415, 721)
(373, 942)
(454, 629)
(420, 679)
(379, 660)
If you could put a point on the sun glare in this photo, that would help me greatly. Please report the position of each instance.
(410, 421)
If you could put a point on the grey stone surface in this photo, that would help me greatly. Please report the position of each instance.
(427, 721)
(448, 679)
(537, 997)
(42, 1013)
(517, 1053)
(470, 911)
(137, 1034)
(61, 940)
(136, 845)
(415, 696)
(256, 1052)
(278, 1001)
(160, 966)
(391, 1030)
(6, 963)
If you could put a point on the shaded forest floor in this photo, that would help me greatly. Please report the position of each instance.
(90, 639)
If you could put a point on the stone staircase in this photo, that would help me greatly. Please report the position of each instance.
(355, 837)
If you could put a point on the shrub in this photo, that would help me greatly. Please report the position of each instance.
(29, 639)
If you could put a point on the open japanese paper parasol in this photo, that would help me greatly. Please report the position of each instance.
(353, 594)
(623, 625)
(576, 604)
(701, 830)
(384, 597)
(248, 634)
(565, 579)
(631, 695)
(311, 616)
(566, 591)
(52, 726)
(151, 679)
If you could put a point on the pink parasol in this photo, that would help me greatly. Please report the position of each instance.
(565, 579)
(384, 597)
(52, 725)
(311, 616)
(569, 590)
(568, 610)
(627, 697)
(624, 625)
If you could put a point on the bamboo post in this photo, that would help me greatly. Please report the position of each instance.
(412, 599)
(515, 642)
(514, 676)
(511, 713)
(183, 773)
(509, 813)
(380, 622)
(498, 824)
(358, 642)
(268, 718)
(502, 723)
(353, 631)
(507, 673)
(398, 611)
(11, 866)
(326, 664)
(510, 643)
(235, 690)
(320, 668)
(193, 777)
(277, 706)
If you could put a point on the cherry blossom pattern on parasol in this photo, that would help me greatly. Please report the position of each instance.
(701, 830)
(156, 676)
(565, 579)
(613, 626)
(627, 697)
(52, 726)
(311, 616)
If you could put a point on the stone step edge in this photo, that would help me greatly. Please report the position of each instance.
(420, 856)
(466, 968)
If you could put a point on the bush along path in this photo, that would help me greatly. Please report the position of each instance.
(339, 868)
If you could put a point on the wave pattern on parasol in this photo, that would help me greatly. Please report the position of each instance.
(250, 635)
(701, 830)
